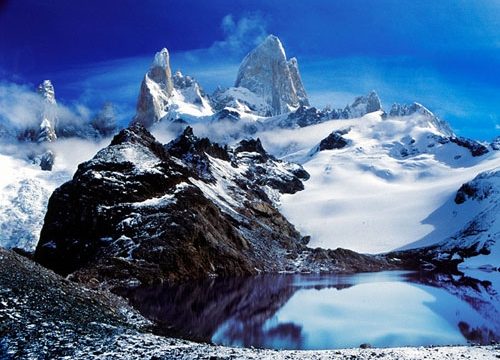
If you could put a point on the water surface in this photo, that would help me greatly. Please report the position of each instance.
(383, 309)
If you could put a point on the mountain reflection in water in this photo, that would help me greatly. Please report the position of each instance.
(327, 311)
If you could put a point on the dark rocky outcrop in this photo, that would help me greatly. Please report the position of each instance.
(334, 141)
(475, 148)
(263, 168)
(47, 160)
(304, 116)
(143, 212)
(226, 115)
(495, 144)
(467, 190)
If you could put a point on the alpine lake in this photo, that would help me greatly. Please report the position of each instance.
(384, 309)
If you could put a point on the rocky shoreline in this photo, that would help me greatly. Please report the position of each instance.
(43, 315)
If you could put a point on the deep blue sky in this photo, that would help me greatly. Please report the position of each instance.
(444, 54)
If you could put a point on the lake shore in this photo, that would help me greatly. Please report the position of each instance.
(43, 315)
(147, 346)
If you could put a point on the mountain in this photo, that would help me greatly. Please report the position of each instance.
(378, 182)
(476, 207)
(363, 105)
(23, 201)
(48, 114)
(267, 83)
(389, 176)
(306, 115)
(163, 96)
(416, 108)
(143, 212)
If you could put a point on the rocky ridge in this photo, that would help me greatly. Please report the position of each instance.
(142, 212)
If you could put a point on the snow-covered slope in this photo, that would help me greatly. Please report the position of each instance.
(24, 193)
(379, 192)
(25, 188)
(477, 208)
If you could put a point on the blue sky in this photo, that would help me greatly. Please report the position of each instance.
(444, 54)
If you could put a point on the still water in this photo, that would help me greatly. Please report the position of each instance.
(382, 309)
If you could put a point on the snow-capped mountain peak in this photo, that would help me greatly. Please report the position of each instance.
(167, 96)
(48, 113)
(416, 108)
(266, 72)
(162, 59)
(365, 104)
(46, 90)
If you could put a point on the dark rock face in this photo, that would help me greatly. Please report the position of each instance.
(47, 160)
(465, 191)
(304, 116)
(139, 216)
(495, 144)
(264, 169)
(227, 114)
(142, 212)
(475, 148)
(334, 141)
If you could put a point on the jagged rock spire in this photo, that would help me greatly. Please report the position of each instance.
(156, 90)
(266, 72)
(46, 90)
(365, 104)
(48, 112)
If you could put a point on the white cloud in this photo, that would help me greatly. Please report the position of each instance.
(18, 105)
(20, 108)
(241, 35)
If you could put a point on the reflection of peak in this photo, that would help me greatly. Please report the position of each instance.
(247, 301)
(481, 295)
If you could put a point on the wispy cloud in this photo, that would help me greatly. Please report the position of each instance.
(466, 105)
(242, 34)
(20, 108)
